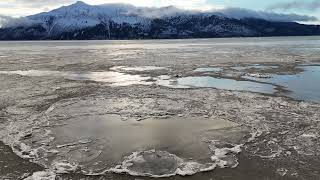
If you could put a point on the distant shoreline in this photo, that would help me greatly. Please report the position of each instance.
(165, 39)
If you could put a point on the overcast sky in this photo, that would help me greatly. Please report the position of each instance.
(17, 8)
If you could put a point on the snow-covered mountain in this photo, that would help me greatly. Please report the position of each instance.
(81, 15)
(123, 21)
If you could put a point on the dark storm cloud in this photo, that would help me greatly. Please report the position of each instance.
(313, 5)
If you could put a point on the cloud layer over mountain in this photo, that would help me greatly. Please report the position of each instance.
(125, 10)
(239, 13)
(301, 4)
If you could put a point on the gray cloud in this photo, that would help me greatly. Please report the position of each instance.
(7, 21)
(239, 13)
(4, 20)
(313, 5)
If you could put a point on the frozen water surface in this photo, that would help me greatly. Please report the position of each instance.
(140, 108)
(209, 69)
(112, 139)
(228, 84)
(114, 78)
(254, 66)
(142, 68)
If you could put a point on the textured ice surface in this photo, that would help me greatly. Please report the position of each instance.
(209, 69)
(64, 167)
(254, 66)
(39, 114)
(258, 75)
(138, 68)
(158, 164)
(163, 164)
(228, 84)
(42, 175)
(225, 157)
(89, 131)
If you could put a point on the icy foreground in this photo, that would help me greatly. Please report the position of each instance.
(63, 109)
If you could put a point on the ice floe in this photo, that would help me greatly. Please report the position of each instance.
(42, 175)
(259, 75)
(138, 68)
(63, 167)
(154, 163)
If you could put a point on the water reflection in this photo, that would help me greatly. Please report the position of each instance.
(209, 69)
(137, 68)
(254, 66)
(302, 86)
(114, 78)
(228, 84)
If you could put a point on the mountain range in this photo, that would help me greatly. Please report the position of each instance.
(81, 21)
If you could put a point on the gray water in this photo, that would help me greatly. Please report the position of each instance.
(227, 84)
(209, 69)
(254, 66)
(304, 85)
(301, 86)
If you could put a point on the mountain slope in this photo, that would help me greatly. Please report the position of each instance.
(121, 21)
(81, 15)
(194, 27)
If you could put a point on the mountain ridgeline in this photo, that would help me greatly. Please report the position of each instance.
(192, 27)
(81, 21)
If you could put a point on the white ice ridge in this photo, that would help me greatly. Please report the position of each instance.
(62, 167)
(226, 156)
(258, 75)
(42, 175)
(159, 164)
